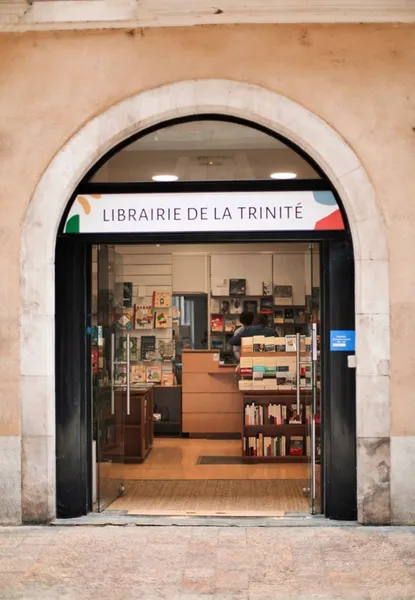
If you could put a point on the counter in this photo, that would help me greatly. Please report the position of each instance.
(211, 401)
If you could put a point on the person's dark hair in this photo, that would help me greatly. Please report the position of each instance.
(261, 319)
(246, 318)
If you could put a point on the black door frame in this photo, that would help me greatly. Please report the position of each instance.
(73, 390)
(73, 322)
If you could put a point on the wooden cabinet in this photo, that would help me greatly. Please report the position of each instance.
(138, 425)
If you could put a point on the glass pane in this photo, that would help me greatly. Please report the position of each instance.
(207, 150)
(313, 379)
(109, 373)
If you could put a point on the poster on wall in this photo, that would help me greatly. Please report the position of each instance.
(204, 212)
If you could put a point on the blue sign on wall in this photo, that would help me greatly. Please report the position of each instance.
(342, 341)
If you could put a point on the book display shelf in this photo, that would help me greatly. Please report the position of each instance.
(138, 426)
(272, 428)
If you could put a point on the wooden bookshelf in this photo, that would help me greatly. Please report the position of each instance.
(277, 397)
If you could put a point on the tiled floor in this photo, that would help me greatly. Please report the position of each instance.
(217, 563)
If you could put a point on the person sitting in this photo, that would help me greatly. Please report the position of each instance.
(246, 318)
(259, 327)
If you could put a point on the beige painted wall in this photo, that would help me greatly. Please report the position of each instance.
(357, 78)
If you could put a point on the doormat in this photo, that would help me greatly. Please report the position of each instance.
(220, 460)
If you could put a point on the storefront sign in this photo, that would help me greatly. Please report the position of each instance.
(342, 341)
(204, 212)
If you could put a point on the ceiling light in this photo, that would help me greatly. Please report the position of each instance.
(164, 178)
(281, 175)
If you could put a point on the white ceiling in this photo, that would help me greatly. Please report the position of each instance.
(27, 15)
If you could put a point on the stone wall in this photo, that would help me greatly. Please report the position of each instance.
(357, 79)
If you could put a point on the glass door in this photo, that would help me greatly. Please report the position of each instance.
(110, 374)
(310, 378)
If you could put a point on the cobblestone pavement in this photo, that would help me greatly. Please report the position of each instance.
(195, 563)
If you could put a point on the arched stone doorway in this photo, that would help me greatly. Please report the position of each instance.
(279, 114)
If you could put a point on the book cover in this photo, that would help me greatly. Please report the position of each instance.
(280, 344)
(216, 323)
(247, 345)
(231, 324)
(270, 344)
(220, 286)
(270, 365)
(237, 287)
(300, 316)
(215, 305)
(291, 343)
(258, 343)
(245, 366)
(167, 378)
(167, 349)
(148, 347)
(161, 319)
(128, 294)
(251, 306)
(266, 288)
(235, 306)
(266, 305)
(133, 348)
(296, 445)
(153, 373)
(295, 416)
(161, 299)
(289, 315)
(217, 343)
(279, 316)
(143, 317)
(283, 295)
(120, 374)
(225, 307)
(125, 320)
(138, 373)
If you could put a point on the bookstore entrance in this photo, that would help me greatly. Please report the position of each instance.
(205, 318)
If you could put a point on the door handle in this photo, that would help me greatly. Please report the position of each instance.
(298, 371)
(112, 373)
(128, 374)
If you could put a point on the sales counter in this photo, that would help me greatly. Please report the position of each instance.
(211, 401)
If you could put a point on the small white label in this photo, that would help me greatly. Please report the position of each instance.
(352, 361)
(216, 357)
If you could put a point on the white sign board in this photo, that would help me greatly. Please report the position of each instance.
(204, 212)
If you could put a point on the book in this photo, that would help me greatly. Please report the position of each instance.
(300, 316)
(280, 344)
(161, 319)
(291, 343)
(295, 416)
(251, 306)
(167, 378)
(289, 315)
(258, 343)
(270, 365)
(270, 344)
(161, 299)
(235, 306)
(279, 315)
(143, 317)
(220, 286)
(217, 343)
(266, 305)
(167, 349)
(148, 347)
(120, 374)
(237, 287)
(245, 366)
(266, 288)
(231, 324)
(122, 353)
(125, 319)
(216, 323)
(225, 307)
(283, 295)
(138, 373)
(296, 447)
(215, 305)
(128, 294)
(247, 345)
(153, 373)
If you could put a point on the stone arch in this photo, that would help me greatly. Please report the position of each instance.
(91, 142)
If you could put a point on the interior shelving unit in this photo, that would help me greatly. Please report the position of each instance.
(277, 397)
(138, 427)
